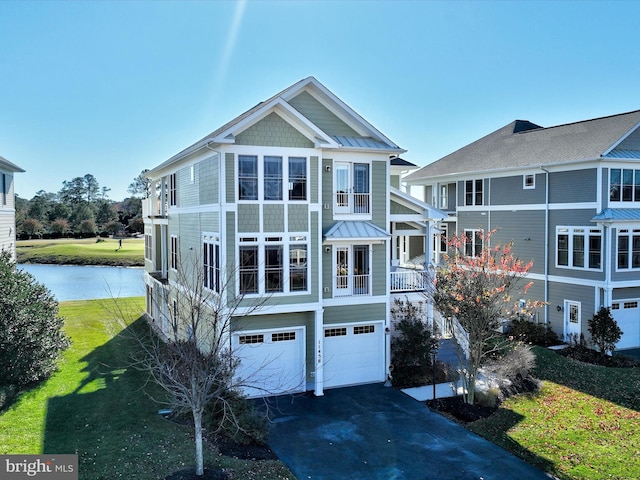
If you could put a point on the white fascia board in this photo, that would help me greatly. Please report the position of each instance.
(288, 113)
(622, 139)
(343, 111)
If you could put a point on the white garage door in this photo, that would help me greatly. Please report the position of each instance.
(271, 361)
(627, 314)
(353, 354)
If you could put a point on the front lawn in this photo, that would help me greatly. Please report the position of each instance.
(98, 407)
(82, 251)
(583, 424)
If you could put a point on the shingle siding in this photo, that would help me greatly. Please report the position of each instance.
(272, 218)
(298, 217)
(379, 198)
(248, 218)
(209, 180)
(321, 116)
(273, 131)
(230, 177)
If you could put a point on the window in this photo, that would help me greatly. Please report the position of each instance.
(211, 265)
(352, 188)
(628, 249)
(444, 238)
(473, 244)
(248, 269)
(297, 178)
(444, 196)
(297, 267)
(247, 177)
(148, 250)
(473, 192)
(174, 252)
(283, 336)
(272, 178)
(251, 339)
(624, 185)
(335, 332)
(529, 181)
(172, 189)
(5, 188)
(359, 330)
(579, 247)
(273, 268)
(192, 174)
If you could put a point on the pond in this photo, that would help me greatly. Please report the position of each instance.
(70, 282)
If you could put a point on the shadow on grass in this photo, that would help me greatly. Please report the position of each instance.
(616, 385)
(111, 422)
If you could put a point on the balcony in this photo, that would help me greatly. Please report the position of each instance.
(352, 285)
(404, 279)
(353, 203)
(152, 208)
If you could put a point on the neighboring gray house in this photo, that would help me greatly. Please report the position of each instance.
(294, 198)
(569, 197)
(8, 206)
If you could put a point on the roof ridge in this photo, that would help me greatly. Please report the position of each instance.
(591, 120)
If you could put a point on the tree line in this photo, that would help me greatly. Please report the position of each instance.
(81, 208)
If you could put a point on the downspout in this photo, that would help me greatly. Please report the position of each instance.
(546, 246)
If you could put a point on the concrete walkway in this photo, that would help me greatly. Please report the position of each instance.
(374, 432)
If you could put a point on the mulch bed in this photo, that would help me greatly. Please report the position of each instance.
(457, 410)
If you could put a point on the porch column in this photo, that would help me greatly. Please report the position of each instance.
(319, 353)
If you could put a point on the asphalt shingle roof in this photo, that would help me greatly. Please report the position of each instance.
(522, 144)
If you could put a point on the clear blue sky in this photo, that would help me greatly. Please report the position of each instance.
(113, 87)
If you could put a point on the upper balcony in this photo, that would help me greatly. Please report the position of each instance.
(408, 279)
(153, 208)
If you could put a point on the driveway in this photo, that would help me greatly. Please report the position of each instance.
(373, 432)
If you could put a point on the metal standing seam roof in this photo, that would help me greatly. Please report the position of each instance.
(525, 144)
(617, 214)
(360, 142)
(615, 153)
(348, 230)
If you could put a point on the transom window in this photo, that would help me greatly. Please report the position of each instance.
(628, 254)
(624, 185)
(473, 192)
(579, 247)
(264, 177)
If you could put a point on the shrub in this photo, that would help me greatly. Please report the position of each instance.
(31, 336)
(247, 425)
(534, 333)
(513, 369)
(411, 348)
(604, 330)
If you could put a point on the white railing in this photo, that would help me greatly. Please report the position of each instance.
(151, 207)
(352, 285)
(353, 203)
(461, 336)
(408, 281)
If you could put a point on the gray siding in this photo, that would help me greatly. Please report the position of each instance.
(472, 220)
(558, 293)
(230, 176)
(526, 230)
(355, 313)
(379, 187)
(248, 218)
(625, 293)
(298, 217)
(509, 191)
(273, 131)
(321, 116)
(378, 269)
(273, 217)
(208, 175)
(327, 194)
(313, 179)
(573, 186)
(397, 209)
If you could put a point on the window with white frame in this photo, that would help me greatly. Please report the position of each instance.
(148, 249)
(263, 177)
(528, 181)
(173, 252)
(211, 263)
(473, 192)
(628, 254)
(266, 268)
(444, 238)
(579, 247)
(173, 186)
(473, 242)
(624, 185)
(444, 196)
(352, 188)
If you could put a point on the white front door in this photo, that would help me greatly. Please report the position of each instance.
(572, 320)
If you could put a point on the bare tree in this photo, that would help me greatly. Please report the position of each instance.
(189, 353)
(477, 288)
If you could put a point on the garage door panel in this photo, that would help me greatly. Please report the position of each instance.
(353, 354)
(627, 315)
(271, 362)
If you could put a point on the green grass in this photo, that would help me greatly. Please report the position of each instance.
(82, 251)
(583, 424)
(98, 407)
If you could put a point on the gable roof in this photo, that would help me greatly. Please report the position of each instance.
(524, 144)
(9, 166)
(362, 135)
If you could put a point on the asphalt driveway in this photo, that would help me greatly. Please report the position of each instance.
(373, 432)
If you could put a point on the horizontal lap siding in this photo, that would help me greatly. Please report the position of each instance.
(510, 191)
(559, 292)
(526, 230)
(379, 198)
(354, 313)
(624, 293)
(573, 186)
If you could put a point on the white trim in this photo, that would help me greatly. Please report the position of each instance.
(622, 139)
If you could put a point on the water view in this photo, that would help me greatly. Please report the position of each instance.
(70, 282)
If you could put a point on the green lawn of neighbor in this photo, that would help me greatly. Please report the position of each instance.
(583, 424)
(98, 407)
(82, 251)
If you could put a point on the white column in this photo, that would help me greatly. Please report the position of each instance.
(319, 353)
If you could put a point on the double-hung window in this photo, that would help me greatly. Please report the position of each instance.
(624, 185)
(473, 192)
(579, 247)
(173, 186)
(267, 177)
(211, 263)
(174, 252)
(272, 178)
(248, 269)
(628, 249)
(297, 265)
(273, 268)
(247, 177)
(297, 178)
(473, 243)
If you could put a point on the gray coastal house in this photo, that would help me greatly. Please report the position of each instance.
(298, 198)
(8, 206)
(569, 197)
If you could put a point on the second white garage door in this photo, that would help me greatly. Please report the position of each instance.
(627, 315)
(354, 354)
(272, 362)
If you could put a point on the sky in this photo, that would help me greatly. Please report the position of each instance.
(110, 88)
